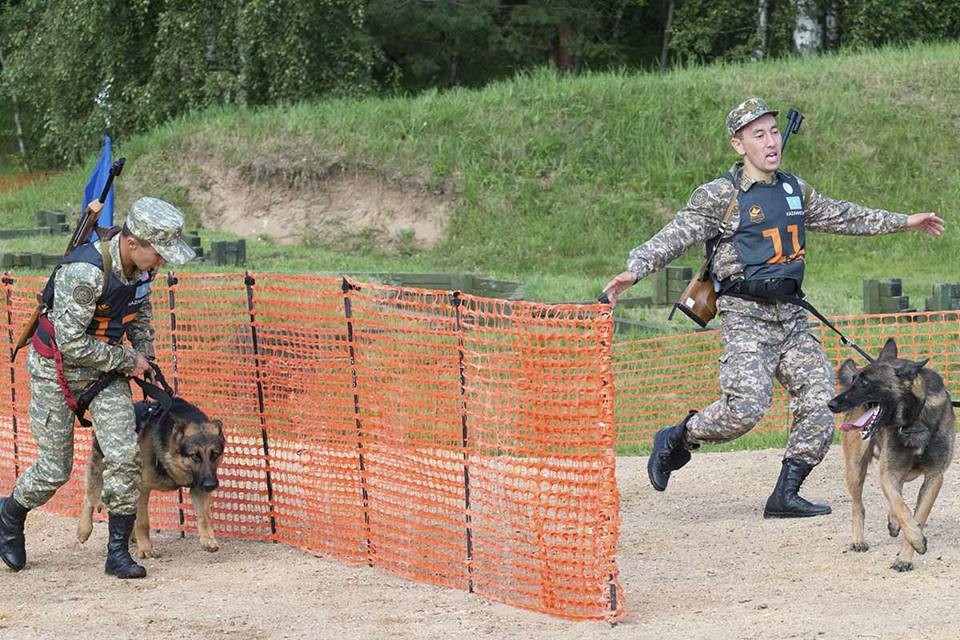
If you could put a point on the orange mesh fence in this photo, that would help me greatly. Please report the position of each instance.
(451, 439)
(658, 380)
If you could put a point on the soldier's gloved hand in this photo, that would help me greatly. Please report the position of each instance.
(618, 285)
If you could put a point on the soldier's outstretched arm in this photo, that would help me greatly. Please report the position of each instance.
(694, 224)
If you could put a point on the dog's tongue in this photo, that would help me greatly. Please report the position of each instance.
(860, 422)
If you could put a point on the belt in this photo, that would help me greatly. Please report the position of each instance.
(762, 288)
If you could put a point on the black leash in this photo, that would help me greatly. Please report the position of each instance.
(802, 302)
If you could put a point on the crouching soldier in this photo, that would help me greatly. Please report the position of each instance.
(99, 293)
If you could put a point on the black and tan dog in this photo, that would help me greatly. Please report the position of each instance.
(899, 413)
(180, 447)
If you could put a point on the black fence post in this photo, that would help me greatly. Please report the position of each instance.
(605, 328)
(172, 305)
(465, 441)
(347, 286)
(249, 282)
(8, 298)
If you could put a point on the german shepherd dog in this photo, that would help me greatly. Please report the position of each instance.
(180, 447)
(898, 412)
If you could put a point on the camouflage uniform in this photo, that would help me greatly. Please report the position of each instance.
(76, 289)
(762, 341)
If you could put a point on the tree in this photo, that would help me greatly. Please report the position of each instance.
(760, 50)
(807, 35)
(79, 68)
(436, 44)
(878, 22)
(16, 121)
(667, 27)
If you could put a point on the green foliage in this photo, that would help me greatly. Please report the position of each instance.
(878, 22)
(554, 179)
(82, 68)
(436, 44)
(453, 43)
(79, 68)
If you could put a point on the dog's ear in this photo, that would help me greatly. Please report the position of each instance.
(889, 351)
(909, 370)
(219, 425)
(176, 429)
(847, 370)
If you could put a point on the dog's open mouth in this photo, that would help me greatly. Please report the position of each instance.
(867, 423)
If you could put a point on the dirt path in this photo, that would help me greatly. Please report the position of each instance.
(696, 562)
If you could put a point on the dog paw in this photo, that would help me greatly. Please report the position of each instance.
(210, 545)
(84, 529)
(921, 548)
(901, 566)
(148, 552)
(859, 546)
(893, 527)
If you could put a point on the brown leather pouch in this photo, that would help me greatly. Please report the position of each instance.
(699, 300)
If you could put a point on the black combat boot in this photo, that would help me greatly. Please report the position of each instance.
(784, 501)
(119, 561)
(12, 545)
(670, 452)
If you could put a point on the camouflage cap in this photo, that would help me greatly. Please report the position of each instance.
(745, 113)
(161, 224)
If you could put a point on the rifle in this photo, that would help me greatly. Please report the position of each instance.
(794, 120)
(81, 235)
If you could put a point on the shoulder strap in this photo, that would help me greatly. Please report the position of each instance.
(712, 244)
(107, 264)
(730, 207)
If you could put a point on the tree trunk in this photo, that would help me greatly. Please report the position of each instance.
(807, 36)
(16, 122)
(833, 24)
(761, 49)
(667, 28)
(561, 55)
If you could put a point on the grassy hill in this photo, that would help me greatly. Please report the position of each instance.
(554, 179)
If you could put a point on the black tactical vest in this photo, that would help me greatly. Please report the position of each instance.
(770, 239)
(118, 305)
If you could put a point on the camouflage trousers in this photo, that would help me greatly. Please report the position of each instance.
(763, 342)
(51, 422)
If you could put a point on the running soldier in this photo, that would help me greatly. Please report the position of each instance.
(759, 255)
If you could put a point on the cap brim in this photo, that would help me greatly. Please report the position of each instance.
(178, 253)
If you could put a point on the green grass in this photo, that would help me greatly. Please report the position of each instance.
(555, 179)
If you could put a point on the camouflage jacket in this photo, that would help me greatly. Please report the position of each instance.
(700, 219)
(77, 286)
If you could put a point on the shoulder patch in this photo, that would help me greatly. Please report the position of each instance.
(83, 294)
(700, 197)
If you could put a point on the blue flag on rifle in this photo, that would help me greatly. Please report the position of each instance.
(98, 179)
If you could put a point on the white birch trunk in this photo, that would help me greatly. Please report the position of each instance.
(761, 49)
(807, 36)
(16, 121)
